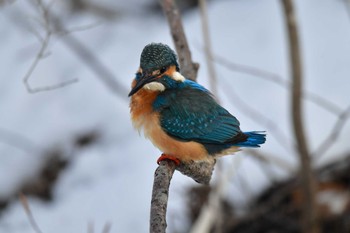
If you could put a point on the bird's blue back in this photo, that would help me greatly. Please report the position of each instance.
(188, 112)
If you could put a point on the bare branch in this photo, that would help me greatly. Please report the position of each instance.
(44, 10)
(107, 227)
(211, 211)
(275, 160)
(208, 47)
(310, 224)
(160, 193)
(166, 168)
(29, 213)
(277, 79)
(188, 67)
(78, 29)
(256, 116)
(53, 26)
(91, 60)
(334, 134)
(200, 171)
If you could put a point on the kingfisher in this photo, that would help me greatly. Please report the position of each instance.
(179, 116)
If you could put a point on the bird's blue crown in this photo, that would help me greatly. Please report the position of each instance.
(157, 55)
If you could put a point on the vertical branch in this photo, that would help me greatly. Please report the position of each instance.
(160, 193)
(165, 171)
(207, 47)
(188, 67)
(307, 177)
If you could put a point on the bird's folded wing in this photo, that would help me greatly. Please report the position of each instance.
(195, 116)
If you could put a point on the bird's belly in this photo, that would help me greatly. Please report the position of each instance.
(185, 151)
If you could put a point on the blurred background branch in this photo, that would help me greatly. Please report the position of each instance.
(52, 25)
(51, 143)
(208, 48)
(26, 207)
(307, 178)
(42, 53)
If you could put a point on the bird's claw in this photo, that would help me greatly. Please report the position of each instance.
(168, 157)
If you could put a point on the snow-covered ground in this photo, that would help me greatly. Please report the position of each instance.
(111, 180)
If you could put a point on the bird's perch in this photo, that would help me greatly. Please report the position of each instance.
(160, 193)
(200, 172)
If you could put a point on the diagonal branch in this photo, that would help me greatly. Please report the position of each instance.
(256, 116)
(188, 67)
(26, 207)
(334, 134)
(278, 80)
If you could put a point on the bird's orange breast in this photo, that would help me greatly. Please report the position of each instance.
(145, 118)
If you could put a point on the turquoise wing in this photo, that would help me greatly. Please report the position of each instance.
(193, 115)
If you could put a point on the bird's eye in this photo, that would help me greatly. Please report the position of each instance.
(138, 75)
(163, 69)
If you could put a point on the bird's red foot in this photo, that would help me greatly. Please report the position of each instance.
(169, 157)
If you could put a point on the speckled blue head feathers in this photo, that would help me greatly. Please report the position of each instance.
(157, 55)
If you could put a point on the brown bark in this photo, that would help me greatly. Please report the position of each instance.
(160, 193)
(310, 224)
(188, 67)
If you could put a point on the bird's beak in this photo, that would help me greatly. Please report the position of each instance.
(145, 78)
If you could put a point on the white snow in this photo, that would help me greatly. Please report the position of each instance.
(111, 180)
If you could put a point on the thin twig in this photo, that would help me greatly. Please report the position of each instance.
(334, 134)
(273, 160)
(91, 61)
(78, 29)
(256, 116)
(310, 224)
(160, 194)
(277, 79)
(188, 67)
(210, 212)
(208, 47)
(26, 207)
(44, 10)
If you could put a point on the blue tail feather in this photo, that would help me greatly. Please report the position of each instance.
(255, 139)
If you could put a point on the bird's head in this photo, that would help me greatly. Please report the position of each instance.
(158, 70)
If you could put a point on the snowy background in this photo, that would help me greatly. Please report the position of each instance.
(110, 179)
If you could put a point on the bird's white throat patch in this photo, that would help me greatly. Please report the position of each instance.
(178, 77)
(154, 86)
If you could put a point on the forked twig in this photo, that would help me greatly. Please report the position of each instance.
(42, 53)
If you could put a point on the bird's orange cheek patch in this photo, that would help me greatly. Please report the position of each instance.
(170, 71)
